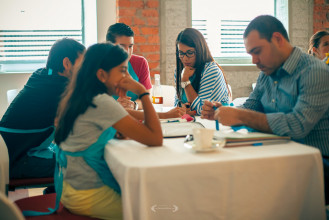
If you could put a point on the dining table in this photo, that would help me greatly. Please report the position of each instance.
(172, 181)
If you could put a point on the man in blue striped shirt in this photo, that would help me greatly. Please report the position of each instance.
(292, 93)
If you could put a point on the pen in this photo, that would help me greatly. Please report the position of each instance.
(173, 121)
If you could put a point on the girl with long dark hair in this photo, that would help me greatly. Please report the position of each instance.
(88, 117)
(198, 76)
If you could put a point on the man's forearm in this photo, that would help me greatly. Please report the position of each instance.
(254, 120)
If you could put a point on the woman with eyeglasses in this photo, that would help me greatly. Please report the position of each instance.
(198, 77)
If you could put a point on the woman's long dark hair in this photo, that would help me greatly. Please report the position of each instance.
(193, 38)
(85, 86)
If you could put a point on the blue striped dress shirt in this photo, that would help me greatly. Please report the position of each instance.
(295, 100)
(212, 88)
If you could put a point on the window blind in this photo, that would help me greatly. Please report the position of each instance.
(31, 45)
(231, 37)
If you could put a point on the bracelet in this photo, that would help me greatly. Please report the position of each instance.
(143, 94)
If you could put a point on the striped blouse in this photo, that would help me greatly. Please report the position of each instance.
(295, 100)
(212, 87)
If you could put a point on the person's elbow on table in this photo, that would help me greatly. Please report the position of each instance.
(157, 141)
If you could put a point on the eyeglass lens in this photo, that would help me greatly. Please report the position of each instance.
(189, 53)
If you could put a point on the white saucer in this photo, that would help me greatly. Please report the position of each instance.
(216, 144)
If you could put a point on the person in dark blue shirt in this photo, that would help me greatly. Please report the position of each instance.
(35, 108)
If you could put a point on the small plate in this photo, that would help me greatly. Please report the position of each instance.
(216, 144)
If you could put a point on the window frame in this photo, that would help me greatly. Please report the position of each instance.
(281, 11)
(88, 27)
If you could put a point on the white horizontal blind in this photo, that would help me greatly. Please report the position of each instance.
(31, 45)
(223, 23)
(201, 25)
(231, 38)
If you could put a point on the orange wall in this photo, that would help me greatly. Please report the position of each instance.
(321, 15)
(143, 17)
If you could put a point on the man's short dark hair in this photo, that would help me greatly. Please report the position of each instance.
(117, 30)
(62, 48)
(266, 25)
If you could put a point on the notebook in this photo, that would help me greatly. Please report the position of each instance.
(179, 129)
(236, 139)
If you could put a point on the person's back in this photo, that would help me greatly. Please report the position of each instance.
(35, 108)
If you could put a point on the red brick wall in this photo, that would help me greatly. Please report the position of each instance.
(320, 15)
(143, 17)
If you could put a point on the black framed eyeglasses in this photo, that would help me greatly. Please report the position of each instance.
(188, 53)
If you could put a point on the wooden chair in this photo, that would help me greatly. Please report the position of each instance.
(42, 203)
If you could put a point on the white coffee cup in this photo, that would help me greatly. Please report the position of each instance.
(203, 138)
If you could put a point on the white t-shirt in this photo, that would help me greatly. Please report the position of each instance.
(86, 130)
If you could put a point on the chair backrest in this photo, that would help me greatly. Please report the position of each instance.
(4, 166)
(8, 209)
(11, 94)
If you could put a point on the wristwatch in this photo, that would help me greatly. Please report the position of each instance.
(184, 84)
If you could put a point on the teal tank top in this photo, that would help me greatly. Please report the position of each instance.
(94, 157)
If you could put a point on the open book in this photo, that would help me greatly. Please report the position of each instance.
(179, 129)
(236, 139)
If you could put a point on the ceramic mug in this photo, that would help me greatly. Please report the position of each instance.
(203, 138)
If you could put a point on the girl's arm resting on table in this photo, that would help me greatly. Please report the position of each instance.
(149, 133)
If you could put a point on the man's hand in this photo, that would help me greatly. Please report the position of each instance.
(228, 116)
(208, 111)
(126, 102)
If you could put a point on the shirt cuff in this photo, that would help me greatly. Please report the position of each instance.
(277, 123)
(195, 105)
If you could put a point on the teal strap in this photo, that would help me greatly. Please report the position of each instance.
(132, 73)
(50, 72)
(44, 150)
(24, 131)
(94, 157)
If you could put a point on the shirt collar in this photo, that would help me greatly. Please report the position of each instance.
(291, 63)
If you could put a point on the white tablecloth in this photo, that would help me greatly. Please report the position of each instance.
(171, 182)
